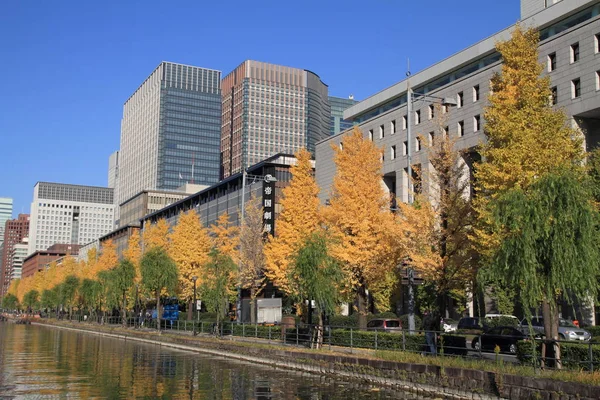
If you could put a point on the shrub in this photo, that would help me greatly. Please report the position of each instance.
(207, 316)
(573, 355)
(260, 331)
(344, 321)
(501, 321)
(418, 322)
(595, 331)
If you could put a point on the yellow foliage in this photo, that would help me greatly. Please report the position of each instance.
(298, 219)
(108, 259)
(366, 238)
(189, 248)
(156, 235)
(133, 253)
(226, 237)
(252, 257)
(13, 288)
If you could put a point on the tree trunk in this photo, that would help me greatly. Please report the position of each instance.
(158, 310)
(124, 309)
(252, 305)
(362, 306)
(190, 310)
(552, 349)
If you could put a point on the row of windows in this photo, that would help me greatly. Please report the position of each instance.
(551, 62)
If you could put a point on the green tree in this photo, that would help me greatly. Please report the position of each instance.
(159, 273)
(317, 277)
(121, 279)
(10, 302)
(31, 300)
(218, 288)
(90, 292)
(47, 299)
(550, 245)
(68, 292)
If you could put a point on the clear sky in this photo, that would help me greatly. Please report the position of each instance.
(67, 67)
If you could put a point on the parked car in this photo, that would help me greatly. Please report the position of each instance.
(566, 329)
(385, 325)
(474, 324)
(506, 337)
(449, 325)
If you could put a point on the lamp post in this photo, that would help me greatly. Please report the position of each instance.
(412, 97)
(194, 279)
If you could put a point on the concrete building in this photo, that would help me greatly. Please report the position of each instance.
(569, 46)
(19, 254)
(170, 131)
(6, 209)
(338, 106)
(270, 109)
(39, 260)
(16, 231)
(113, 169)
(73, 214)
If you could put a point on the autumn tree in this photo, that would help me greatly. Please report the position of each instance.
(159, 273)
(107, 260)
(68, 292)
(133, 252)
(189, 248)
(298, 219)
(31, 300)
(121, 280)
(226, 237)
(527, 137)
(317, 277)
(90, 292)
(156, 235)
(220, 281)
(362, 226)
(252, 257)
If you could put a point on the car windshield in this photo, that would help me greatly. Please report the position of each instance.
(566, 324)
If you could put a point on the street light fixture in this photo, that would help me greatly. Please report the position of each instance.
(412, 97)
(194, 308)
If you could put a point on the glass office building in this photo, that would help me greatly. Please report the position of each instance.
(338, 106)
(170, 132)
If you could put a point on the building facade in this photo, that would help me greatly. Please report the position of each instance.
(69, 214)
(19, 254)
(113, 169)
(338, 106)
(269, 109)
(16, 231)
(6, 209)
(566, 28)
(170, 131)
(39, 260)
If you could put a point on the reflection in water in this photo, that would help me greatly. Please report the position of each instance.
(37, 360)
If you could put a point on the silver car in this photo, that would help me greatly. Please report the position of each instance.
(566, 329)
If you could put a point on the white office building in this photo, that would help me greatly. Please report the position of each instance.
(19, 253)
(69, 214)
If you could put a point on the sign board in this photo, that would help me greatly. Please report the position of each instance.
(269, 207)
(268, 311)
(198, 305)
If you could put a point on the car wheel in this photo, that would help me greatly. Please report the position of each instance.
(513, 349)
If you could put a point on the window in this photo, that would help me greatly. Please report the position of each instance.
(381, 131)
(551, 62)
(404, 122)
(445, 131)
(393, 152)
(554, 96)
(475, 93)
(341, 146)
(574, 52)
(418, 144)
(576, 88)
(393, 126)
(476, 123)
(597, 80)
(431, 138)
(417, 117)
(371, 135)
(459, 99)
(597, 43)
(444, 108)
(404, 148)
(461, 128)
(431, 111)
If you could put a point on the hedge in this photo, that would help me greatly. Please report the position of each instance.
(573, 355)
(260, 331)
(595, 331)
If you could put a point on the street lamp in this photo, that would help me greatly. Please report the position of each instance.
(194, 279)
(412, 97)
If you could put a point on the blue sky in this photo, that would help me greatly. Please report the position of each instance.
(67, 67)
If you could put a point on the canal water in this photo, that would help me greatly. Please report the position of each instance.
(46, 363)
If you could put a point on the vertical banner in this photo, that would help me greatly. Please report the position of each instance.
(268, 206)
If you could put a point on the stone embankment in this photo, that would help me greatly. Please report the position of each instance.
(423, 379)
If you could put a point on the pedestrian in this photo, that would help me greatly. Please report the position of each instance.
(431, 325)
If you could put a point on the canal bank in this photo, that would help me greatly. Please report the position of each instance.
(423, 379)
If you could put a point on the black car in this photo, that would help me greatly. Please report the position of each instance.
(471, 324)
(506, 337)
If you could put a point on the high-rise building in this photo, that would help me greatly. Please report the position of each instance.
(69, 214)
(338, 106)
(170, 131)
(19, 254)
(16, 231)
(113, 169)
(6, 209)
(270, 109)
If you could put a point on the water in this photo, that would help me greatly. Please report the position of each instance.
(47, 363)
